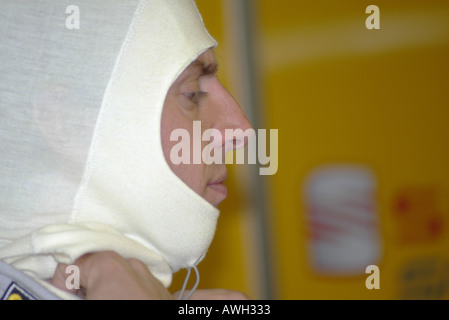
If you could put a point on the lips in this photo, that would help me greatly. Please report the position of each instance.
(220, 179)
(218, 184)
(219, 187)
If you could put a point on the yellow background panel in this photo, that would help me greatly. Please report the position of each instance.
(342, 94)
(345, 94)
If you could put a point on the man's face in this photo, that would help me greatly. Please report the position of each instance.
(198, 95)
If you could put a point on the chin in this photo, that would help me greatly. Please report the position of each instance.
(215, 194)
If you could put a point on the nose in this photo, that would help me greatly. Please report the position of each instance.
(232, 122)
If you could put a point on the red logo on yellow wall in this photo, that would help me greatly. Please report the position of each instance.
(417, 214)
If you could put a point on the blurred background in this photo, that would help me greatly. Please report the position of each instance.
(363, 137)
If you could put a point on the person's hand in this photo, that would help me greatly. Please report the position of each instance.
(108, 276)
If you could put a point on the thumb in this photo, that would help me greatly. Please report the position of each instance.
(61, 279)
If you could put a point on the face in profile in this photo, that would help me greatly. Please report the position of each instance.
(198, 95)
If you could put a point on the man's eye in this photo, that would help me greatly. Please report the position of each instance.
(195, 97)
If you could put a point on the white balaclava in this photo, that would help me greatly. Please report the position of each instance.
(82, 168)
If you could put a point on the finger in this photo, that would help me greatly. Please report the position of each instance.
(60, 277)
(146, 278)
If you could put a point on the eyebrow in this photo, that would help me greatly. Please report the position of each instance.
(204, 69)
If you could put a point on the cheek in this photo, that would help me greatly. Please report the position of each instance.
(193, 175)
(170, 121)
(165, 141)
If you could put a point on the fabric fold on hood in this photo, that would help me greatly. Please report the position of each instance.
(82, 167)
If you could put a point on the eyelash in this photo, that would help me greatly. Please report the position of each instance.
(195, 97)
